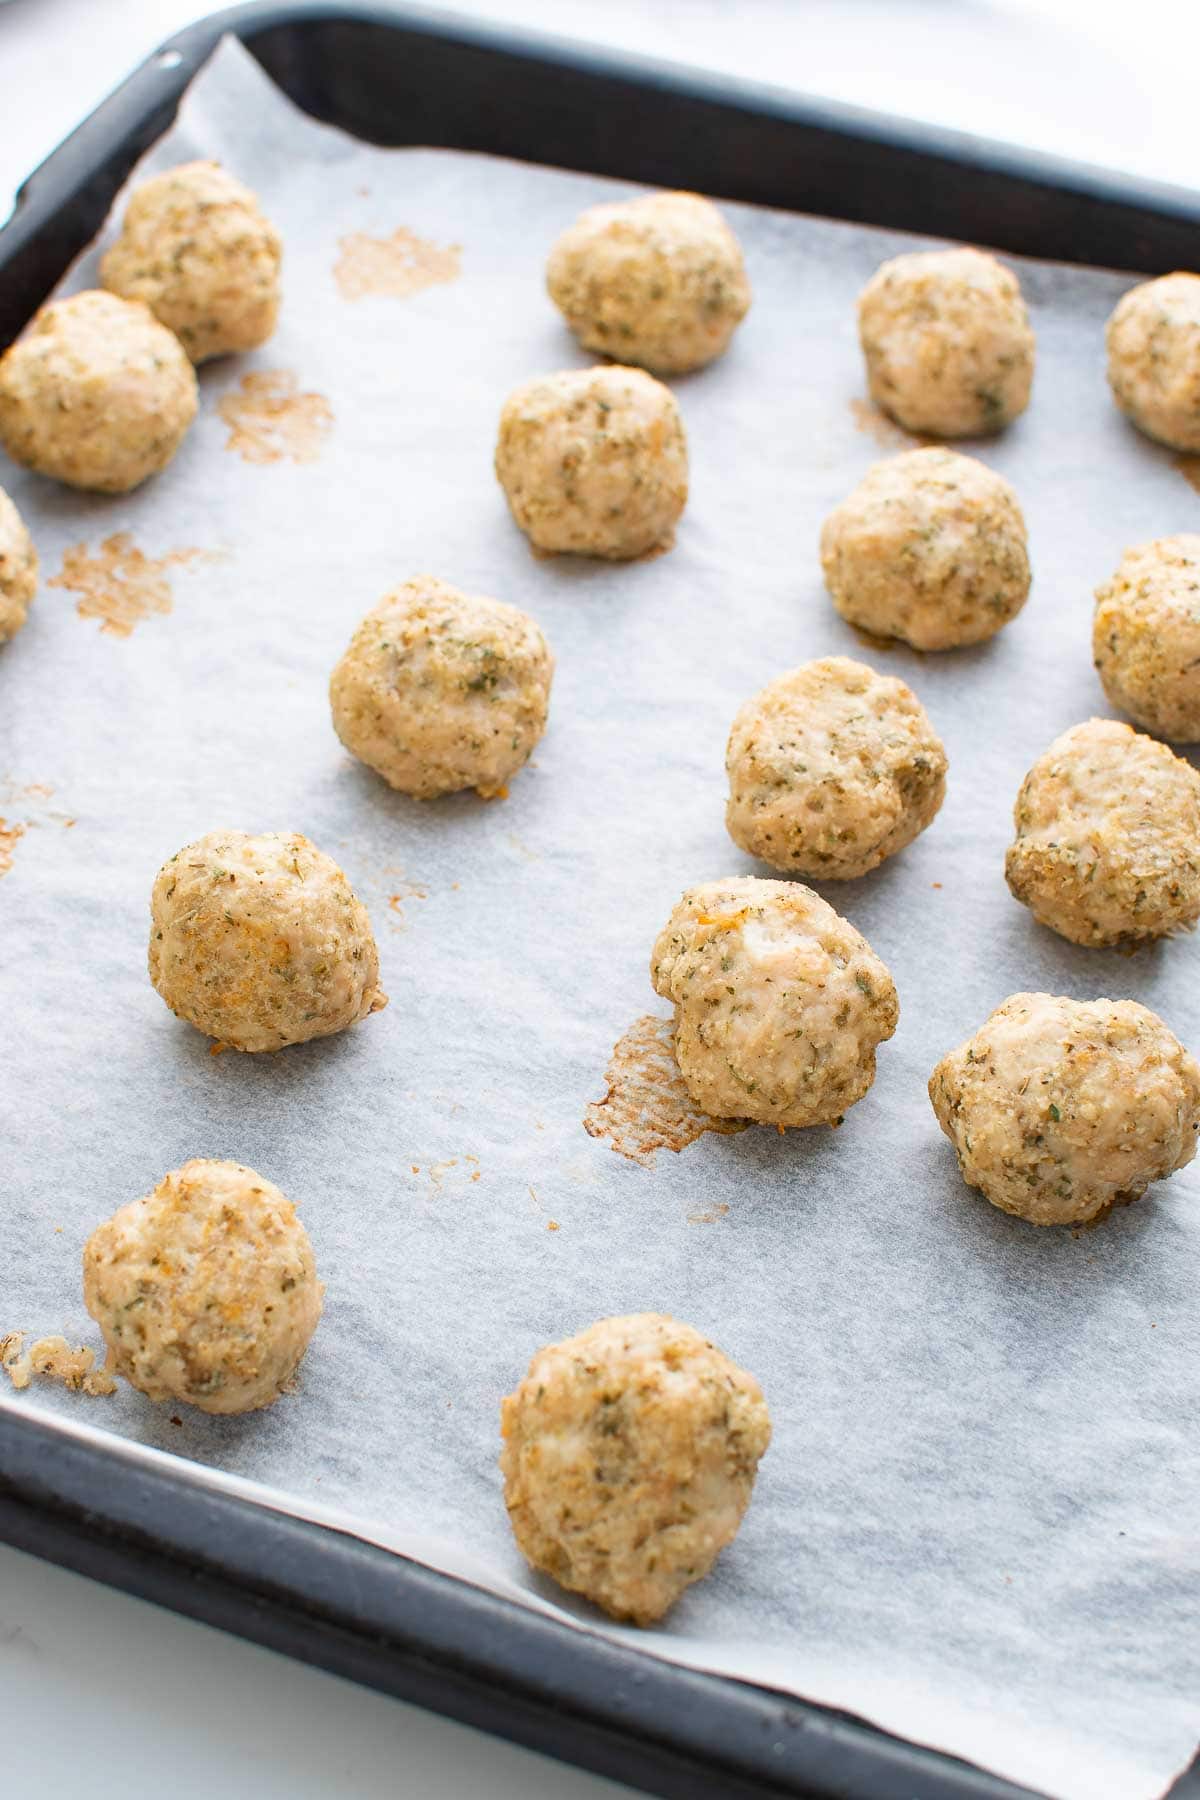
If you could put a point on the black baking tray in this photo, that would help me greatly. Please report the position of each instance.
(397, 76)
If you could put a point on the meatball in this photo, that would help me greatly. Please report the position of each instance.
(1108, 837)
(1146, 636)
(947, 342)
(931, 548)
(441, 690)
(260, 942)
(594, 462)
(1153, 342)
(18, 569)
(97, 394)
(206, 1290)
(197, 249)
(779, 1002)
(658, 281)
(629, 1458)
(1060, 1109)
(831, 769)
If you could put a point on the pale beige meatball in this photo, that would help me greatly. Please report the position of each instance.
(629, 1458)
(441, 690)
(1146, 636)
(260, 942)
(658, 281)
(831, 769)
(594, 462)
(206, 1290)
(196, 247)
(1153, 342)
(97, 394)
(779, 1002)
(1108, 837)
(931, 548)
(18, 569)
(947, 342)
(1060, 1109)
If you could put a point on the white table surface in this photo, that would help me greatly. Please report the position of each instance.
(104, 1694)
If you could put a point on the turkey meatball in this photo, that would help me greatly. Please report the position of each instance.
(206, 1290)
(1153, 342)
(1146, 636)
(1108, 837)
(930, 548)
(594, 462)
(196, 247)
(779, 1002)
(1060, 1109)
(441, 690)
(18, 569)
(658, 281)
(831, 769)
(96, 394)
(260, 942)
(629, 1458)
(947, 342)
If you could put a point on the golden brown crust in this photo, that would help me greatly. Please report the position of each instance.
(594, 462)
(657, 281)
(441, 690)
(930, 548)
(779, 1003)
(206, 1290)
(947, 342)
(1108, 837)
(832, 768)
(18, 569)
(629, 1458)
(1146, 636)
(1153, 340)
(260, 942)
(1060, 1109)
(96, 393)
(196, 248)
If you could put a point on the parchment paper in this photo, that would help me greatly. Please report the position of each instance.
(977, 1522)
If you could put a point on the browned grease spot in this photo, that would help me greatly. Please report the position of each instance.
(399, 265)
(885, 432)
(8, 843)
(407, 890)
(647, 1107)
(553, 1225)
(120, 585)
(1189, 468)
(270, 421)
(709, 1217)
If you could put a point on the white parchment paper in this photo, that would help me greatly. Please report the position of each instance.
(977, 1524)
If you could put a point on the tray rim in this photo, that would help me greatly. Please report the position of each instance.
(108, 1510)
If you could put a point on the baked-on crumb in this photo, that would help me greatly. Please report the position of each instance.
(1146, 636)
(197, 249)
(54, 1358)
(658, 281)
(260, 941)
(629, 1458)
(1060, 1109)
(96, 393)
(1153, 340)
(18, 569)
(1108, 837)
(205, 1290)
(441, 690)
(779, 1003)
(594, 462)
(947, 342)
(930, 548)
(831, 769)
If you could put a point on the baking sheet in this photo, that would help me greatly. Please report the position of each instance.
(976, 1525)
